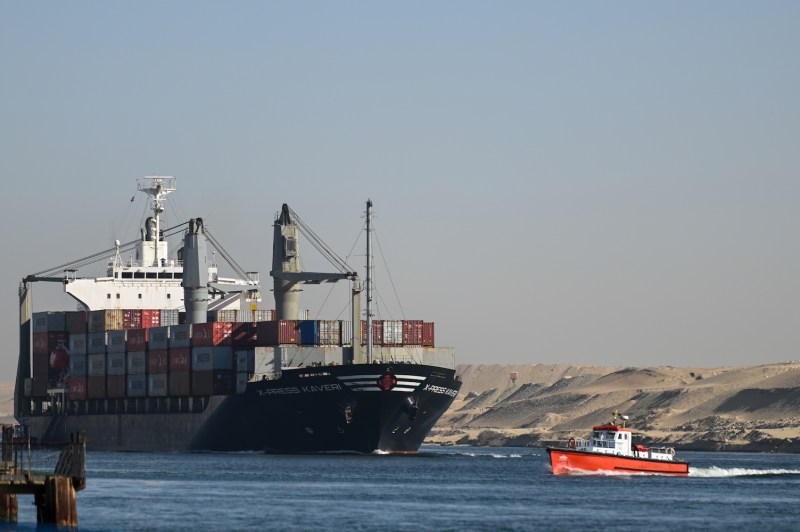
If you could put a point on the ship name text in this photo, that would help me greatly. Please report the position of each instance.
(288, 390)
(440, 390)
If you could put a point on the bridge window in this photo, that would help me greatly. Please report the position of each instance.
(108, 296)
(140, 296)
(138, 275)
(127, 275)
(117, 296)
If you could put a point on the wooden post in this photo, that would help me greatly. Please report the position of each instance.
(57, 503)
(8, 508)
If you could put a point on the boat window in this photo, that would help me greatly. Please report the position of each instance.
(179, 275)
(127, 275)
(117, 296)
(169, 296)
(151, 275)
(140, 296)
(108, 296)
(138, 275)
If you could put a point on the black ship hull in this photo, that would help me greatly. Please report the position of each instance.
(353, 408)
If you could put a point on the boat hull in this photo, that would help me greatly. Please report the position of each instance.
(570, 461)
(319, 409)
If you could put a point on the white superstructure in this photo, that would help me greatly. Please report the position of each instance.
(148, 278)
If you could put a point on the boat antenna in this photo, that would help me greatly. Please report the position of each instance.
(369, 280)
(157, 188)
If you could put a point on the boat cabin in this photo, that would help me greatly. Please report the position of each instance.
(616, 440)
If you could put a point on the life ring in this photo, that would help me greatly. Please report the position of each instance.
(571, 443)
(671, 451)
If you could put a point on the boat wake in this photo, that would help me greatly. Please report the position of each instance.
(718, 472)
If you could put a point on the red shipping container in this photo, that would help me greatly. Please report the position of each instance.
(377, 332)
(151, 318)
(41, 365)
(203, 383)
(180, 383)
(96, 387)
(131, 318)
(157, 361)
(137, 339)
(278, 332)
(39, 386)
(211, 334)
(180, 359)
(77, 322)
(77, 388)
(412, 332)
(243, 335)
(427, 334)
(46, 342)
(116, 386)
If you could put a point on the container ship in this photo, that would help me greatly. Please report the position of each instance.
(164, 354)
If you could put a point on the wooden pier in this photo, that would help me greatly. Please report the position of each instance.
(54, 494)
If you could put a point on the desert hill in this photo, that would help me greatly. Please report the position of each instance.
(732, 408)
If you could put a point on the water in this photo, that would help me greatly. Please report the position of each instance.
(442, 488)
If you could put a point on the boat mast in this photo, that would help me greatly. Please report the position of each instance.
(369, 280)
(157, 189)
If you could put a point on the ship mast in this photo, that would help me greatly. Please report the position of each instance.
(369, 280)
(157, 189)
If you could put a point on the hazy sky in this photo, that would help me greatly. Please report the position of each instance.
(582, 182)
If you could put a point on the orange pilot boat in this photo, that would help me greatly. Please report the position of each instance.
(611, 448)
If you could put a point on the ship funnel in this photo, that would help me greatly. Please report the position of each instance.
(195, 273)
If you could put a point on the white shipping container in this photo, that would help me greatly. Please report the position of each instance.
(392, 332)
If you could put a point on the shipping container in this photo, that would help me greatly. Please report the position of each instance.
(159, 338)
(105, 320)
(427, 334)
(180, 335)
(137, 362)
(39, 386)
(96, 343)
(346, 333)
(180, 383)
(243, 335)
(77, 322)
(41, 365)
(115, 386)
(253, 316)
(78, 366)
(329, 332)
(96, 365)
(157, 385)
(168, 317)
(180, 359)
(78, 344)
(151, 318)
(44, 343)
(157, 361)
(212, 358)
(211, 334)
(115, 364)
(202, 382)
(137, 339)
(392, 332)
(131, 318)
(245, 361)
(377, 332)
(229, 315)
(241, 382)
(309, 332)
(77, 388)
(224, 382)
(49, 322)
(277, 332)
(412, 332)
(136, 385)
(96, 387)
(116, 341)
